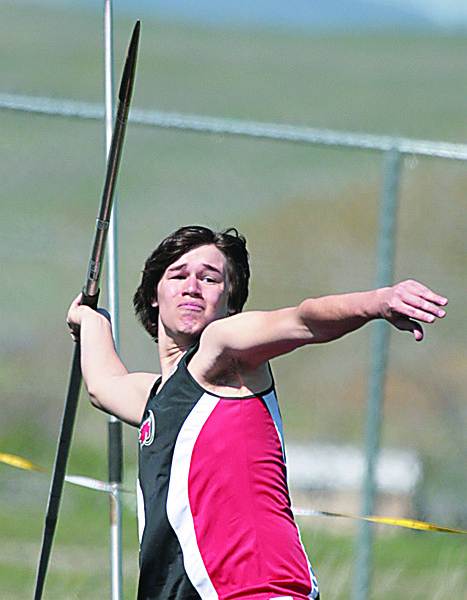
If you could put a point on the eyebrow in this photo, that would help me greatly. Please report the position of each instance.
(207, 266)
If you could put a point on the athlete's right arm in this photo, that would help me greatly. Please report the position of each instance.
(110, 386)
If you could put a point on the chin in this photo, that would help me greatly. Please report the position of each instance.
(193, 329)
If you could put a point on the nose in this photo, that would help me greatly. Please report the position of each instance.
(192, 287)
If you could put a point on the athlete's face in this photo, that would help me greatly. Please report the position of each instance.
(193, 292)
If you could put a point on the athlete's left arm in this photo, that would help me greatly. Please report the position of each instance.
(255, 337)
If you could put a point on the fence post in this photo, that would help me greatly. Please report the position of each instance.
(115, 444)
(384, 277)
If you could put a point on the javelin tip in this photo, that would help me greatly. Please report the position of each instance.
(128, 77)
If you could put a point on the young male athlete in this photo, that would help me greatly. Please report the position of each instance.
(217, 515)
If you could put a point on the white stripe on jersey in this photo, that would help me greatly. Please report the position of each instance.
(178, 504)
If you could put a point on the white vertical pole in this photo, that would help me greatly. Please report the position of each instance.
(114, 425)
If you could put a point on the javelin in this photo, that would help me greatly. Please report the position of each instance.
(89, 297)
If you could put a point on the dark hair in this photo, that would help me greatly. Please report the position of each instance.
(173, 247)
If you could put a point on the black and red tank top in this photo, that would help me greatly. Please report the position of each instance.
(216, 520)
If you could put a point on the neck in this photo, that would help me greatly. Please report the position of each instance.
(171, 352)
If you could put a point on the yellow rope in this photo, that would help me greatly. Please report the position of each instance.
(22, 463)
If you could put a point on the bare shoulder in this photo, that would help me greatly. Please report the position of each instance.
(227, 365)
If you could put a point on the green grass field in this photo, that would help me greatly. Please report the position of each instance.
(310, 215)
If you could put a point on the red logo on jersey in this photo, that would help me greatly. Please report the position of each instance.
(147, 430)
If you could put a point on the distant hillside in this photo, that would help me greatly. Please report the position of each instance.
(301, 14)
(294, 13)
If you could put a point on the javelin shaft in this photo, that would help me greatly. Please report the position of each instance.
(90, 297)
(91, 288)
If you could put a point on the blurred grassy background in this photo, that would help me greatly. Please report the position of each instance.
(310, 215)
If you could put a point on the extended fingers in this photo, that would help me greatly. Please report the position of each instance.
(422, 310)
(416, 301)
(424, 292)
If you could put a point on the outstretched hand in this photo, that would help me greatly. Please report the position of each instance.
(409, 302)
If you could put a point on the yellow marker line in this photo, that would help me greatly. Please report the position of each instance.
(88, 482)
(407, 523)
(20, 463)
(95, 484)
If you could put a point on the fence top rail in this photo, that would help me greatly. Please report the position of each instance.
(216, 125)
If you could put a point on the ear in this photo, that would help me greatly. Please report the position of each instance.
(154, 303)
